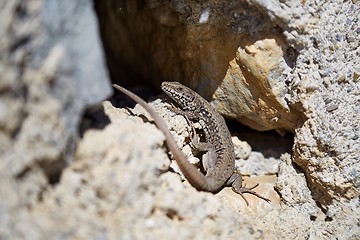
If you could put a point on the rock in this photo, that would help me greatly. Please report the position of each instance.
(257, 164)
(118, 171)
(242, 148)
(263, 63)
(327, 145)
(52, 69)
(269, 65)
(254, 90)
(291, 66)
(244, 78)
(47, 59)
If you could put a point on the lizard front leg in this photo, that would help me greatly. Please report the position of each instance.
(210, 157)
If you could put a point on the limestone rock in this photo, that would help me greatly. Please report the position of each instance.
(283, 65)
(52, 69)
(270, 65)
(47, 82)
(237, 58)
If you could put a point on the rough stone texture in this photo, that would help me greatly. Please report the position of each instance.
(284, 65)
(258, 74)
(46, 81)
(117, 187)
(239, 57)
(271, 65)
(327, 146)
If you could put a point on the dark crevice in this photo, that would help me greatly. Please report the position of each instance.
(290, 57)
(53, 170)
(279, 193)
(20, 43)
(173, 215)
(23, 173)
(298, 168)
(269, 143)
(320, 206)
(23, 93)
(21, 12)
(93, 118)
(328, 219)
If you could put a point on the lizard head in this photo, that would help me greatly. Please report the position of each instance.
(181, 94)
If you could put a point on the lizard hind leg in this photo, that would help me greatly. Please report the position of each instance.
(235, 181)
(209, 158)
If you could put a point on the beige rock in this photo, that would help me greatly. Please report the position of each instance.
(44, 69)
(121, 168)
(253, 91)
(243, 74)
(279, 65)
(242, 148)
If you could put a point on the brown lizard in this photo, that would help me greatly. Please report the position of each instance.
(219, 161)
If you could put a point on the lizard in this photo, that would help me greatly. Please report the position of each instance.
(219, 161)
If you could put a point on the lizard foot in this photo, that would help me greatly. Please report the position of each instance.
(244, 189)
(235, 181)
(175, 109)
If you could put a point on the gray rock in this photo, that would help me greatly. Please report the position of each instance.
(54, 69)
